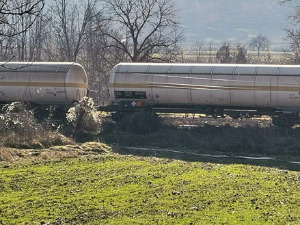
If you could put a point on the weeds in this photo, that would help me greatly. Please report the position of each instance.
(20, 129)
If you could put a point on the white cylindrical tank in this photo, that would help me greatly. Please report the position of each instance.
(42, 82)
(207, 84)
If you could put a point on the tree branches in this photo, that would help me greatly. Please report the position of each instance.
(14, 11)
(293, 32)
(142, 28)
(259, 43)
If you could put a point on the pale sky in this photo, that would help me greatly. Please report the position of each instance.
(233, 20)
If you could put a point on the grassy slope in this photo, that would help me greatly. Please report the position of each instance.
(115, 189)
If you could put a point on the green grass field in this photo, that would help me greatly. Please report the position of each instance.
(121, 189)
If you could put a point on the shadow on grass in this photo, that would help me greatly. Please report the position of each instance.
(270, 146)
(192, 156)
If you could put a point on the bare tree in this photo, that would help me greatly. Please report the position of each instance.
(197, 48)
(37, 38)
(6, 48)
(14, 11)
(143, 29)
(294, 38)
(22, 40)
(293, 32)
(210, 51)
(70, 26)
(16, 18)
(98, 59)
(260, 42)
(27, 46)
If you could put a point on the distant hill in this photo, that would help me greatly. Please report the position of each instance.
(234, 20)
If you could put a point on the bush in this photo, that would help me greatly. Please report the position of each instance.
(23, 131)
(84, 118)
(20, 120)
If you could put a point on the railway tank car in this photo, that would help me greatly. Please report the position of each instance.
(42, 82)
(231, 88)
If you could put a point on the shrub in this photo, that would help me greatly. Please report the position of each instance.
(20, 120)
(23, 131)
(84, 118)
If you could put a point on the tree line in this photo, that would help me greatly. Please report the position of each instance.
(100, 33)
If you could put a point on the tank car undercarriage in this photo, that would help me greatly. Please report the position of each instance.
(280, 117)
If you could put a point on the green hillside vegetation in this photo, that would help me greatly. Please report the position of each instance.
(95, 185)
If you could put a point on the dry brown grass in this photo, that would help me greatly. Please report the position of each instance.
(44, 139)
(53, 153)
(8, 154)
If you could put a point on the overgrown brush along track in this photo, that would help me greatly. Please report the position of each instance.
(114, 189)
